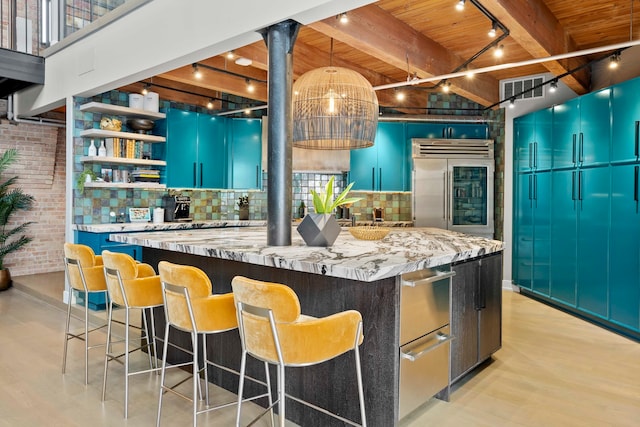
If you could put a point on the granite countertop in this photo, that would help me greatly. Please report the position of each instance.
(403, 250)
(123, 227)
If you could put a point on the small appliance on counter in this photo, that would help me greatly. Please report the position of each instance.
(378, 214)
(176, 208)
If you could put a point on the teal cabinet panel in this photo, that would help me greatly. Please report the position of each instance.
(563, 241)
(383, 166)
(468, 131)
(533, 141)
(595, 128)
(245, 142)
(448, 130)
(624, 247)
(523, 230)
(212, 154)
(566, 128)
(425, 130)
(524, 131)
(541, 232)
(593, 236)
(181, 130)
(626, 117)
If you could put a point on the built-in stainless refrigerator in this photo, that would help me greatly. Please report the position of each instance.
(453, 185)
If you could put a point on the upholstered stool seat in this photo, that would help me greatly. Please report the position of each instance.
(273, 330)
(85, 274)
(131, 285)
(191, 307)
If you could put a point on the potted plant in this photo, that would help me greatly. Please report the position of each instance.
(86, 175)
(11, 201)
(321, 228)
(243, 205)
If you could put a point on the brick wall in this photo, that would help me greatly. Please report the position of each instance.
(41, 173)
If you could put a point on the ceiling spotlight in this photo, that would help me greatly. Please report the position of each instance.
(512, 103)
(247, 111)
(446, 87)
(250, 87)
(145, 89)
(499, 52)
(553, 86)
(460, 5)
(400, 96)
(470, 74)
(230, 55)
(614, 61)
(343, 18)
(492, 31)
(210, 104)
(196, 72)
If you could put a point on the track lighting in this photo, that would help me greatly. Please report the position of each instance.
(553, 86)
(230, 55)
(614, 61)
(145, 89)
(499, 52)
(446, 87)
(210, 104)
(460, 5)
(196, 72)
(250, 87)
(343, 18)
(512, 103)
(400, 96)
(492, 31)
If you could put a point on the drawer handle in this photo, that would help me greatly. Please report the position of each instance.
(413, 356)
(423, 281)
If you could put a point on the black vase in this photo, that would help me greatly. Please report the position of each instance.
(319, 229)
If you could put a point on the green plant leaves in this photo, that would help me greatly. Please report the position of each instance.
(324, 203)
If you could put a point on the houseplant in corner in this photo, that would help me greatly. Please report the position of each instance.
(11, 201)
(321, 228)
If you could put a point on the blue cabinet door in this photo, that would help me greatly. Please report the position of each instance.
(624, 246)
(543, 136)
(626, 114)
(424, 130)
(181, 132)
(595, 128)
(541, 203)
(524, 129)
(468, 131)
(593, 237)
(362, 167)
(392, 161)
(212, 154)
(563, 259)
(523, 230)
(566, 129)
(245, 140)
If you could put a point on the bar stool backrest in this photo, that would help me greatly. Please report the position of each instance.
(90, 264)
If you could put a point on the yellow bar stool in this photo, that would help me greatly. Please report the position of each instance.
(190, 307)
(85, 274)
(131, 285)
(272, 329)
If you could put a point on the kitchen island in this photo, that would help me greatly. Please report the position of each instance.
(351, 274)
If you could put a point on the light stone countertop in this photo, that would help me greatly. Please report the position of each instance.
(402, 250)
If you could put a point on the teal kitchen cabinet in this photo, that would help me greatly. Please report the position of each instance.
(383, 166)
(448, 130)
(624, 247)
(532, 140)
(564, 236)
(532, 231)
(626, 121)
(99, 242)
(592, 193)
(582, 131)
(245, 153)
(195, 149)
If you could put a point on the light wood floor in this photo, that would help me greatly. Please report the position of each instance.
(553, 370)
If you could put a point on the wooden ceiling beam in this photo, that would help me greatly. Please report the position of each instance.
(533, 26)
(381, 35)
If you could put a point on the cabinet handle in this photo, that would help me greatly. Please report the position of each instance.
(449, 132)
(530, 187)
(636, 174)
(581, 151)
(135, 254)
(194, 174)
(373, 179)
(535, 187)
(573, 153)
(573, 185)
(530, 155)
(257, 176)
(580, 185)
(535, 155)
(444, 132)
(637, 145)
(201, 170)
(380, 179)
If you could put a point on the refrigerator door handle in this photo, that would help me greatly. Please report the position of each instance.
(446, 196)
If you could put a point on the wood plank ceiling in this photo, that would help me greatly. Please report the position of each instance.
(390, 40)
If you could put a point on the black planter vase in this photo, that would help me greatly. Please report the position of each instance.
(319, 229)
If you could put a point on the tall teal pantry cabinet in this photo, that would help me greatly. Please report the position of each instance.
(576, 209)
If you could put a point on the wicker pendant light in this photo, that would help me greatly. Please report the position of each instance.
(334, 108)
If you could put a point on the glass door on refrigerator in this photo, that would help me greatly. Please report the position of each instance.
(471, 196)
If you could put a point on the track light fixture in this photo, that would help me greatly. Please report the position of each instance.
(230, 55)
(250, 86)
(343, 18)
(553, 86)
(499, 52)
(614, 61)
(460, 5)
(446, 87)
(196, 72)
(512, 103)
(400, 96)
(492, 31)
(210, 104)
(145, 89)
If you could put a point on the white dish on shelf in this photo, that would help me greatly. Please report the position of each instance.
(139, 214)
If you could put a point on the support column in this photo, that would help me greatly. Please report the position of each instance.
(280, 39)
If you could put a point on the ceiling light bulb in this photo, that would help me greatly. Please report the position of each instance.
(247, 111)
(512, 103)
(145, 89)
(250, 87)
(210, 104)
(499, 52)
(553, 86)
(460, 5)
(492, 31)
(400, 96)
(446, 87)
(196, 72)
(343, 18)
(614, 61)
(230, 55)
(470, 74)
